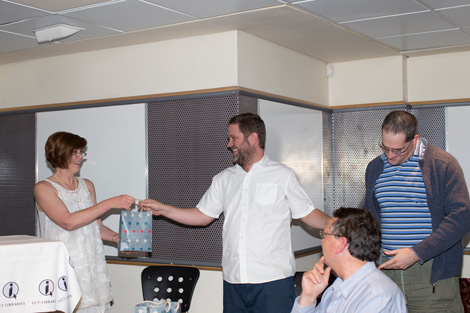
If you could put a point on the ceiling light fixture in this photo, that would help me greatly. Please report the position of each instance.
(54, 32)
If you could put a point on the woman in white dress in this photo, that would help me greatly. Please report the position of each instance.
(68, 212)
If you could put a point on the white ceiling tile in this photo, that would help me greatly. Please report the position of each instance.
(57, 6)
(400, 25)
(12, 42)
(437, 4)
(428, 41)
(460, 15)
(129, 16)
(348, 10)
(89, 30)
(209, 8)
(292, 28)
(286, 22)
(10, 12)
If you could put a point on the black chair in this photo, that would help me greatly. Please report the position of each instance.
(174, 282)
(298, 283)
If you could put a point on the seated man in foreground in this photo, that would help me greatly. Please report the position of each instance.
(351, 244)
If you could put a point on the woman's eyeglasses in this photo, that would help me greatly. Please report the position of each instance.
(79, 153)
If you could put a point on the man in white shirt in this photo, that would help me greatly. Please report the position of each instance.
(351, 245)
(259, 197)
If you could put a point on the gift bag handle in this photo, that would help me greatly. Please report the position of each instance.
(168, 303)
(136, 203)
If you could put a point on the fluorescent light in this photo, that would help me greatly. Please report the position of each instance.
(54, 32)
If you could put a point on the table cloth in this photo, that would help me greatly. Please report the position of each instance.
(36, 275)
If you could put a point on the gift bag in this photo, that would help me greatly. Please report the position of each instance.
(135, 231)
(162, 306)
(150, 307)
(172, 307)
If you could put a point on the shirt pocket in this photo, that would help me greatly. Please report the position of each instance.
(266, 193)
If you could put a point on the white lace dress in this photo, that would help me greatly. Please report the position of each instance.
(85, 248)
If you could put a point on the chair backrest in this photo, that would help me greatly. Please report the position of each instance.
(174, 282)
(298, 283)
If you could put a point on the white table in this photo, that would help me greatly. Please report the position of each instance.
(36, 275)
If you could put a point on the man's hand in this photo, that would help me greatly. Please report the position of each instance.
(313, 283)
(151, 205)
(401, 260)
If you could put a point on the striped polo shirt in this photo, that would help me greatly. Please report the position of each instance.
(404, 213)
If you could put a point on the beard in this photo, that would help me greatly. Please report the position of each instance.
(244, 154)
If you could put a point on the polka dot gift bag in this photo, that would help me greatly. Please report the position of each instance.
(135, 231)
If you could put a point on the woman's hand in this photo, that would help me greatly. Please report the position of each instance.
(122, 202)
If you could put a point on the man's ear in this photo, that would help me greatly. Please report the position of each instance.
(253, 138)
(342, 244)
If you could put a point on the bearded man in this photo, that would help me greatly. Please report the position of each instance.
(259, 197)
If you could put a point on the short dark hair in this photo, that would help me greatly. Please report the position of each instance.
(60, 146)
(362, 231)
(397, 122)
(250, 123)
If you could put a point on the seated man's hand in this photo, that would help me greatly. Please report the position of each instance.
(313, 283)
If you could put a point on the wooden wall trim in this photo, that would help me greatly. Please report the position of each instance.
(114, 101)
(132, 262)
(369, 105)
(278, 98)
(449, 101)
(149, 262)
(210, 92)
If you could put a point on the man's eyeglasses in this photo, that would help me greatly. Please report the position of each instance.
(79, 153)
(323, 234)
(395, 151)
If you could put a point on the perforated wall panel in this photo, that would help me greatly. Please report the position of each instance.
(328, 164)
(187, 146)
(432, 125)
(353, 141)
(17, 174)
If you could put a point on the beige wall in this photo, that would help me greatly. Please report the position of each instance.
(268, 67)
(439, 77)
(186, 64)
(368, 81)
(127, 288)
(207, 297)
(229, 59)
(195, 63)
(2, 87)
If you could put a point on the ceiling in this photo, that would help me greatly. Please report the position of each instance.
(329, 30)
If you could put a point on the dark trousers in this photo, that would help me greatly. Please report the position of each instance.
(273, 297)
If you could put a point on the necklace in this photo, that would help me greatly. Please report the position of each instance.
(74, 179)
(72, 193)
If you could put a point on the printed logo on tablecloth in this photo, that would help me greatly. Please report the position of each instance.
(62, 283)
(46, 287)
(11, 289)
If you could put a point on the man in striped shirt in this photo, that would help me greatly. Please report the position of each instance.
(418, 193)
